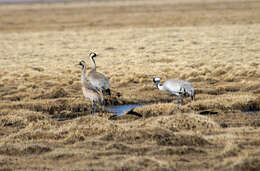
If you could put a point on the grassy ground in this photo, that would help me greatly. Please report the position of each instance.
(215, 45)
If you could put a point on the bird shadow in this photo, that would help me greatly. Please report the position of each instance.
(207, 112)
(130, 112)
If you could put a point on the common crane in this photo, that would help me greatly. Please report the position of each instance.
(90, 92)
(176, 87)
(97, 79)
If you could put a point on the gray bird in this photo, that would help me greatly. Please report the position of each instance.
(90, 92)
(176, 87)
(97, 79)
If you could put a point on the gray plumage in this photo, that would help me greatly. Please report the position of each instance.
(97, 79)
(90, 92)
(176, 87)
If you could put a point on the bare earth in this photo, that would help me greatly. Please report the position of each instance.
(213, 44)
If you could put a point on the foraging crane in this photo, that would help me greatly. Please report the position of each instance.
(176, 87)
(90, 92)
(97, 79)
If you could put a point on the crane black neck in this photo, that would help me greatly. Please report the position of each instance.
(93, 62)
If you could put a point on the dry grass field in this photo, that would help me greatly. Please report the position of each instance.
(213, 44)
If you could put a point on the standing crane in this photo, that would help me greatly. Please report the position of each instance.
(98, 80)
(176, 87)
(90, 92)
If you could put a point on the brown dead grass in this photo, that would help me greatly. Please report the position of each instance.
(45, 123)
(166, 13)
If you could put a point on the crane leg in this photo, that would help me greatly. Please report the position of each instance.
(93, 110)
(193, 97)
(180, 100)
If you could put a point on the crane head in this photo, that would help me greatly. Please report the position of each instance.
(92, 54)
(82, 63)
(156, 80)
